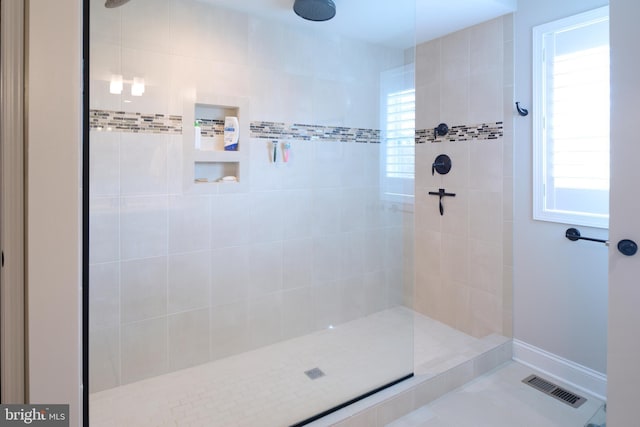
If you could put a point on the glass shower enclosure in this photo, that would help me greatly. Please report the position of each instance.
(261, 285)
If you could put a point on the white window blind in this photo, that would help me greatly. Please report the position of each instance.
(397, 122)
(571, 120)
(401, 112)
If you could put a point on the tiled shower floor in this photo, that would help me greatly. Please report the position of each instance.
(267, 387)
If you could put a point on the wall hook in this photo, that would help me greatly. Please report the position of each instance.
(441, 130)
(522, 111)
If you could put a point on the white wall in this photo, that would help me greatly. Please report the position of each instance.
(54, 188)
(560, 287)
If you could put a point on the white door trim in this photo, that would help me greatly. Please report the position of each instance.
(12, 226)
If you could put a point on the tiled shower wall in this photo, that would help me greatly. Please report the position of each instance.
(464, 261)
(179, 279)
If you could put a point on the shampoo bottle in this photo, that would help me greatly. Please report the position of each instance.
(231, 133)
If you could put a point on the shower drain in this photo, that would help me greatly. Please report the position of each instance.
(554, 391)
(314, 373)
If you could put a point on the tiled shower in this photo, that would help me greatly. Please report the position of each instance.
(184, 274)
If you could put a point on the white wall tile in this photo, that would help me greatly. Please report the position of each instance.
(327, 167)
(485, 209)
(104, 280)
(297, 214)
(327, 212)
(297, 263)
(353, 302)
(153, 68)
(428, 63)
(230, 220)
(144, 350)
(265, 320)
(143, 164)
(104, 354)
(297, 172)
(188, 339)
(374, 250)
(145, 25)
(297, 312)
(229, 329)
(353, 254)
(230, 277)
(352, 207)
(104, 229)
(105, 23)
(375, 293)
(106, 61)
(267, 220)
(327, 258)
(189, 223)
(485, 266)
(104, 164)
(188, 280)
(177, 182)
(143, 289)
(143, 226)
(327, 302)
(265, 267)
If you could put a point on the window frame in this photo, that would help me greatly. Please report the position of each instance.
(540, 143)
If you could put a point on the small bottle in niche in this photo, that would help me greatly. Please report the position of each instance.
(231, 133)
(198, 135)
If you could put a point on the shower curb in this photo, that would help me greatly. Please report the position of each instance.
(399, 400)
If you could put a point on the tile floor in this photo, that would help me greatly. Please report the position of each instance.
(267, 387)
(500, 399)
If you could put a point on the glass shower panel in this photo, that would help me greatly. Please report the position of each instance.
(263, 284)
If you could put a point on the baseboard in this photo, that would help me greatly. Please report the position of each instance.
(575, 375)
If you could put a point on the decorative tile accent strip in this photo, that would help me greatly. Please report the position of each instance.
(275, 130)
(120, 121)
(481, 132)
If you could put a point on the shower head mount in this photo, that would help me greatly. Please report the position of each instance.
(110, 4)
(315, 10)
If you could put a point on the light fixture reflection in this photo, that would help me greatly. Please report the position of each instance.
(137, 88)
(116, 84)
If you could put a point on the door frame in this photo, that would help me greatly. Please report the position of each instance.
(13, 372)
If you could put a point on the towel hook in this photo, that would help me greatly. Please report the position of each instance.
(522, 111)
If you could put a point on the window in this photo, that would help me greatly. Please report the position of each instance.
(398, 124)
(571, 119)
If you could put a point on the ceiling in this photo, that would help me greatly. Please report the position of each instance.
(387, 22)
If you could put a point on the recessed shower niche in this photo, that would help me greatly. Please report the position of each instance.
(208, 165)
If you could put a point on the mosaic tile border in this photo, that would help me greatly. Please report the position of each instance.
(461, 133)
(276, 130)
(121, 121)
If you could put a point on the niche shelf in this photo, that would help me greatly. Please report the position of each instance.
(206, 165)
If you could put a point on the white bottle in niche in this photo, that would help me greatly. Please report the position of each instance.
(198, 135)
(231, 133)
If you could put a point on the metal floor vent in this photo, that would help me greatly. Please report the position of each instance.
(314, 373)
(553, 390)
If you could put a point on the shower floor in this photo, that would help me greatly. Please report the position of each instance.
(268, 386)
